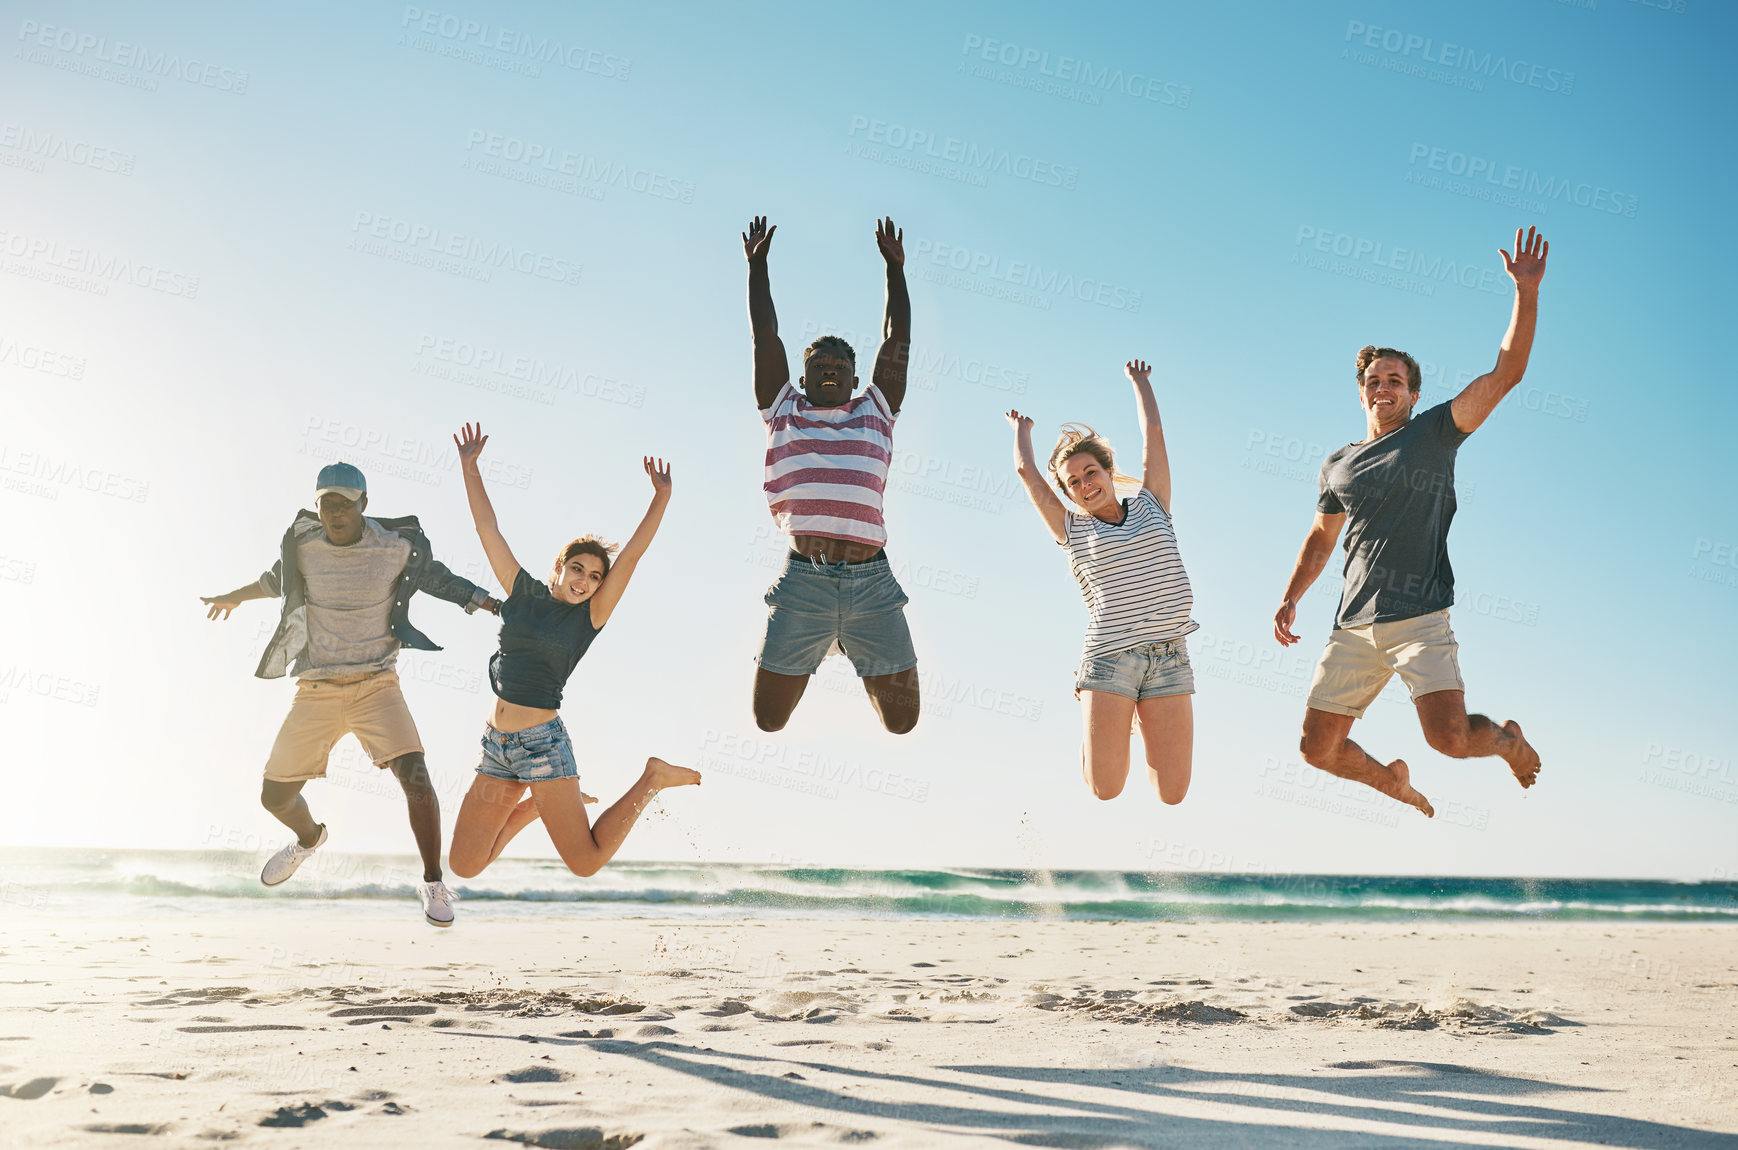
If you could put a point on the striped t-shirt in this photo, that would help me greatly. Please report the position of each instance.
(1131, 576)
(826, 467)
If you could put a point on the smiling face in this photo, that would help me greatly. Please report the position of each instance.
(577, 580)
(1386, 394)
(341, 518)
(1085, 481)
(828, 378)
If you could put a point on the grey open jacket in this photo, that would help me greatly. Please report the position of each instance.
(421, 573)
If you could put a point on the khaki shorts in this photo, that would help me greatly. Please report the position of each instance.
(1359, 661)
(373, 709)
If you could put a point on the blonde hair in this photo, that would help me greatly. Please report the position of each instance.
(1079, 439)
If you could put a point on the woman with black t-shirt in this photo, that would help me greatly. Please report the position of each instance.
(545, 630)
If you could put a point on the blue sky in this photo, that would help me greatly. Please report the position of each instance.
(238, 245)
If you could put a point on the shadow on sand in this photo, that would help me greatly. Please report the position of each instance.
(1440, 1104)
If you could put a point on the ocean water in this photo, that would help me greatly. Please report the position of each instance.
(107, 882)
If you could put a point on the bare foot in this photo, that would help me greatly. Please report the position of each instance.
(1404, 791)
(1523, 760)
(661, 774)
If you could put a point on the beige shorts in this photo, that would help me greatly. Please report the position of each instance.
(1359, 661)
(373, 709)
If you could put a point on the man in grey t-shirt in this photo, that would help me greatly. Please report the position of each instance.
(1393, 493)
(347, 581)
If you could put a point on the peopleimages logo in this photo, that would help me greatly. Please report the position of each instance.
(45, 145)
(122, 54)
(1409, 262)
(986, 159)
(99, 266)
(1070, 70)
(431, 242)
(1459, 58)
(525, 45)
(1522, 180)
(1034, 278)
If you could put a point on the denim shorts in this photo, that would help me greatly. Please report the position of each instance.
(1150, 671)
(857, 607)
(529, 756)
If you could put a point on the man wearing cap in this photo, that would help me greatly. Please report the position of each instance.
(346, 581)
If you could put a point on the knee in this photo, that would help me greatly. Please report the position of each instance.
(1105, 791)
(1315, 750)
(464, 865)
(767, 723)
(1172, 797)
(274, 797)
(412, 773)
(1448, 740)
(584, 868)
(900, 724)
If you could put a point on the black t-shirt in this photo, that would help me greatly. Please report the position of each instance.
(1397, 494)
(542, 641)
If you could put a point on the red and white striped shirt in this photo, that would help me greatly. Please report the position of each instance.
(826, 467)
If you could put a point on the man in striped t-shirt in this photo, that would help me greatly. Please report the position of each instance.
(827, 455)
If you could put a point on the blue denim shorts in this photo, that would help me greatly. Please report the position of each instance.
(529, 756)
(1150, 671)
(860, 607)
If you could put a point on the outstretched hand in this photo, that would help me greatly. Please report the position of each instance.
(891, 241)
(1020, 423)
(659, 471)
(1138, 371)
(757, 240)
(471, 445)
(220, 606)
(1527, 266)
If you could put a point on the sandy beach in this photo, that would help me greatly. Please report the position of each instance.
(311, 1029)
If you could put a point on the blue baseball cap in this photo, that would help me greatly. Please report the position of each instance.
(341, 478)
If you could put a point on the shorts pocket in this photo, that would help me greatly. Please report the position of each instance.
(540, 745)
(793, 593)
(1105, 669)
(879, 595)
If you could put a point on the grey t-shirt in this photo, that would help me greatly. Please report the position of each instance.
(350, 603)
(1397, 494)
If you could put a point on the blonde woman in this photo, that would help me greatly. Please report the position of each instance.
(1134, 664)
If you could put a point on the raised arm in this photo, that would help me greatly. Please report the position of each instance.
(772, 369)
(1526, 267)
(1318, 545)
(604, 600)
(501, 561)
(894, 357)
(1049, 507)
(1155, 463)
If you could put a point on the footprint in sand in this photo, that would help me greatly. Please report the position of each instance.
(302, 1114)
(537, 1074)
(582, 1138)
(797, 1129)
(29, 1091)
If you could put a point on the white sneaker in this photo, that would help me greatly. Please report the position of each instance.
(283, 864)
(437, 903)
